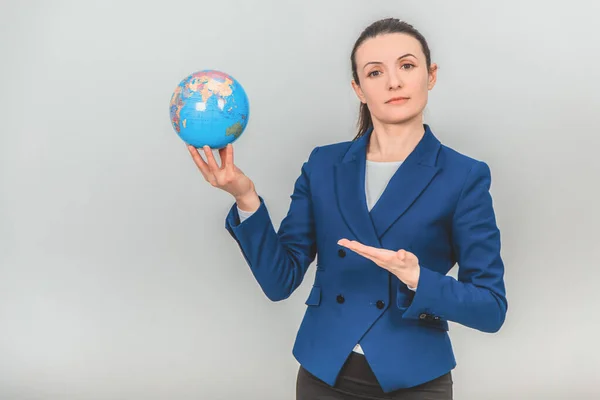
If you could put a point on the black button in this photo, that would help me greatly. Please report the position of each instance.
(340, 299)
(380, 304)
(342, 253)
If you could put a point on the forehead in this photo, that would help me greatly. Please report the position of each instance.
(388, 47)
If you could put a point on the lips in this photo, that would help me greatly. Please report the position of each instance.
(397, 100)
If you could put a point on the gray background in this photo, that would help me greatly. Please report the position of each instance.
(117, 277)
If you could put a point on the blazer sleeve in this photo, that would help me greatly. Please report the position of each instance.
(279, 259)
(478, 298)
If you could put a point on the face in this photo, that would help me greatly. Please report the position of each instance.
(393, 79)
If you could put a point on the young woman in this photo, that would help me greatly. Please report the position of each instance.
(387, 215)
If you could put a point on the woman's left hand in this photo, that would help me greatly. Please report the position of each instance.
(402, 263)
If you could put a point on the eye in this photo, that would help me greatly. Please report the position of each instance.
(407, 65)
(373, 72)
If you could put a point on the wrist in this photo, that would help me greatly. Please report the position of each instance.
(412, 280)
(248, 202)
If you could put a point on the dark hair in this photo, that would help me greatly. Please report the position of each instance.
(381, 27)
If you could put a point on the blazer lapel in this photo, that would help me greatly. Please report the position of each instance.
(409, 181)
(405, 186)
(350, 193)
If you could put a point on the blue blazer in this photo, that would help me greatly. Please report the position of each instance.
(437, 206)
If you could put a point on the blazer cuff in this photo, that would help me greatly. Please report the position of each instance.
(233, 223)
(424, 301)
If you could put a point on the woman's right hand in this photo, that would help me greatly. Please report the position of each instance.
(227, 177)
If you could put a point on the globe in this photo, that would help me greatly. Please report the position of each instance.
(209, 107)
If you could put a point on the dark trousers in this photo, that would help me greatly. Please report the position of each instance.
(357, 381)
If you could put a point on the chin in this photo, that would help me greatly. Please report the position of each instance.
(398, 117)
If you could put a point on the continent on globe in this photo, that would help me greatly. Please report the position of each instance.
(235, 130)
(209, 108)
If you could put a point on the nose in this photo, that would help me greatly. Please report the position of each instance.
(394, 80)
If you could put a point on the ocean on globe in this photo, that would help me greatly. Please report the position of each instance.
(209, 107)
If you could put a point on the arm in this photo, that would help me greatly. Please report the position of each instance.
(278, 260)
(477, 299)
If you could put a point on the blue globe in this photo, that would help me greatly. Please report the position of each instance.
(209, 107)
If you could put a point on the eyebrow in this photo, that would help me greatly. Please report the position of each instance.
(379, 62)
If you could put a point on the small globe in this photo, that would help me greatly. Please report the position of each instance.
(209, 107)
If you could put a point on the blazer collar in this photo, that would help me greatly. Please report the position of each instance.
(407, 183)
(424, 153)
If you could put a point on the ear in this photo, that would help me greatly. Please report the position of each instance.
(358, 92)
(432, 79)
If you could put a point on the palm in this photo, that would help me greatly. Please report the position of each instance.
(227, 176)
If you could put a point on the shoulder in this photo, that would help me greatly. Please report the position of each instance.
(463, 167)
(329, 153)
(452, 158)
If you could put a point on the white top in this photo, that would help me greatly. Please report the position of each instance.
(377, 176)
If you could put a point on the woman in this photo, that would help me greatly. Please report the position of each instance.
(388, 213)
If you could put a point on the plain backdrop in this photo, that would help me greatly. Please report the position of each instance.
(118, 279)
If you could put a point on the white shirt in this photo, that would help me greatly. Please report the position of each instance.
(377, 176)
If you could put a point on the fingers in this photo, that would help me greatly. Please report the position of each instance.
(209, 168)
(222, 156)
(200, 163)
(210, 159)
(377, 255)
(363, 250)
(351, 244)
(344, 242)
(226, 154)
(227, 157)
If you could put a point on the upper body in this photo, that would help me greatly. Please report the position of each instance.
(437, 206)
(436, 211)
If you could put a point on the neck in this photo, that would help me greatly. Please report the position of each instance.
(394, 142)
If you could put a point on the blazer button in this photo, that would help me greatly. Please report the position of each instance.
(380, 304)
(342, 253)
(340, 299)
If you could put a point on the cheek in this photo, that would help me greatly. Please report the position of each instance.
(372, 92)
(419, 93)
